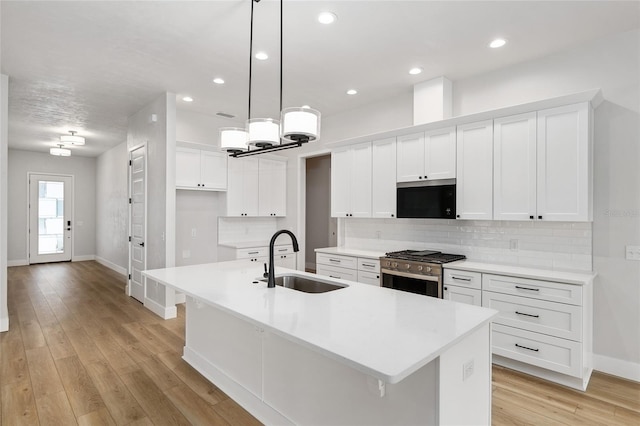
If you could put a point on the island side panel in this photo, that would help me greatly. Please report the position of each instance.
(312, 389)
(465, 381)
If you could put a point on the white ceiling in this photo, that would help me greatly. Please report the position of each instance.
(88, 65)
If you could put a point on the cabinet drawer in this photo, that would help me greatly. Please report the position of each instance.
(463, 278)
(552, 318)
(563, 356)
(337, 260)
(282, 250)
(337, 272)
(372, 278)
(470, 296)
(370, 265)
(545, 290)
(253, 252)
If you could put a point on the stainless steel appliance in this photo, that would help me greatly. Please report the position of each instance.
(415, 271)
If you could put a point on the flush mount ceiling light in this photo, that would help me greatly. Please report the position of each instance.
(499, 42)
(72, 139)
(262, 56)
(218, 80)
(296, 125)
(352, 92)
(327, 18)
(415, 71)
(60, 151)
(187, 99)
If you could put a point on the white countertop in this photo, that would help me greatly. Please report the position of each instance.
(578, 278)
(252, 244)
(385, 333)
(347, 251)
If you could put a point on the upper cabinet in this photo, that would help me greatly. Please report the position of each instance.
(383, 178)
(542, 165)
(564, 163)
(427, 156)
(474, 184)
(200, 169)
(351, 181)
(257, 187)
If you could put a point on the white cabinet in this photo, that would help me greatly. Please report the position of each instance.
(474, 189)
(564, 163)
(272, 194)
(462, 286)
(283, 256)
(427, 156)
(257, 187)
(383, 178)
(514, 161)
(360, 269)
(351, 181)
(200, 169)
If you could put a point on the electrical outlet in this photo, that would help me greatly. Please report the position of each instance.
(632, 252)
(186, 254)
(193, 232)
(467, 370)
(513, 245)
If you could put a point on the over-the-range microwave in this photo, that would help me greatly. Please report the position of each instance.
(427, 200)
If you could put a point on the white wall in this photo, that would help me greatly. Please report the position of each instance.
(201, 128)
(112, 208)
(159, 137)
(4, 154)
(84, 200)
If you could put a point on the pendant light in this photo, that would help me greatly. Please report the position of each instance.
(233, 139)
(296, 125)
(72, 138)
(60, 151)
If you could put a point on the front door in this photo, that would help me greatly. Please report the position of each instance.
(50, 218)
(137, 219)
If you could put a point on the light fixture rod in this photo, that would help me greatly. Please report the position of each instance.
(281, 1)
(271, 148)
(250, 58)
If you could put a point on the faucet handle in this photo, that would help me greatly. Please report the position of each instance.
(266, 272)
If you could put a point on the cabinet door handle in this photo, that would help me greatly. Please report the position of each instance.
(524, 347)
(460, 279)
(531, 217)
(527, 288)
(539, 217)
(527, 315)
(369, 265)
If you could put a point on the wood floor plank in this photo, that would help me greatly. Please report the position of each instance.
(43, 372)
(13, 363)
(197, 411)
(84, 346)
(18, 404)
(235, 414)
(147, 338)
(57, 340)
(54, 409)
(82, 393)
(97, 418)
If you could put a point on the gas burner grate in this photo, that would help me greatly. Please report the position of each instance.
(425, 256)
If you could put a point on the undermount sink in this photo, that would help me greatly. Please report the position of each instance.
(305, 284)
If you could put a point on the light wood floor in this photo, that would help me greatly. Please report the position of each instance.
(80, 351)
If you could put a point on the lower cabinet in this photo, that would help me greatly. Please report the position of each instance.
(352, 268)
(283, 256)
(544, 328)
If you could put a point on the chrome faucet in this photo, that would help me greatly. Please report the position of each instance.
(271, 281)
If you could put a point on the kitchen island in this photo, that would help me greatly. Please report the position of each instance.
(358, 355)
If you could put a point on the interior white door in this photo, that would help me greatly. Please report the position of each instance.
(50, 218)
(137, 222)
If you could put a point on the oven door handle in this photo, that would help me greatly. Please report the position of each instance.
(434, 278)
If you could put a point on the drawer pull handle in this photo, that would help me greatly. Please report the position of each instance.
(524, 347)
(254, 252)
(333, 276)
(334, 260)
(528, 315)
(284, 249)
(460, 279)
(527, 288)
(369, 265)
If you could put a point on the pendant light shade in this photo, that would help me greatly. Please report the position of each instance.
(60, 151)
(263, 132)
(72, 139)
(300, 124)
(233, 139)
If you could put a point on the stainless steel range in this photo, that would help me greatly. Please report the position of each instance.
(415, 271)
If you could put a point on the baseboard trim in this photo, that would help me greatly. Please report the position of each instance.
(4, 324)
(83, 258)
(164, 312)
(617, 367)
(104, 262)
(19, 262)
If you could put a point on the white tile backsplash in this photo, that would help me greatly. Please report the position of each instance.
(553, 245)
(246, 229)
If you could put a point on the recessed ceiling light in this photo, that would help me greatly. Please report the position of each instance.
(262, 56)
(414, 71)
(218, 80)
(327, 18)
(352, 92)
(187, 99)
(499, 42)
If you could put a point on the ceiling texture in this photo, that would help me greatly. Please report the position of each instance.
(89, 65)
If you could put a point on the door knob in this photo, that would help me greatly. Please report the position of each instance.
(141, 244)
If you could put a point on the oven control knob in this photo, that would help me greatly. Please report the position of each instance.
(387, 263)
(394, 265)
(420, 268)
(408, 266)
(428, 268)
